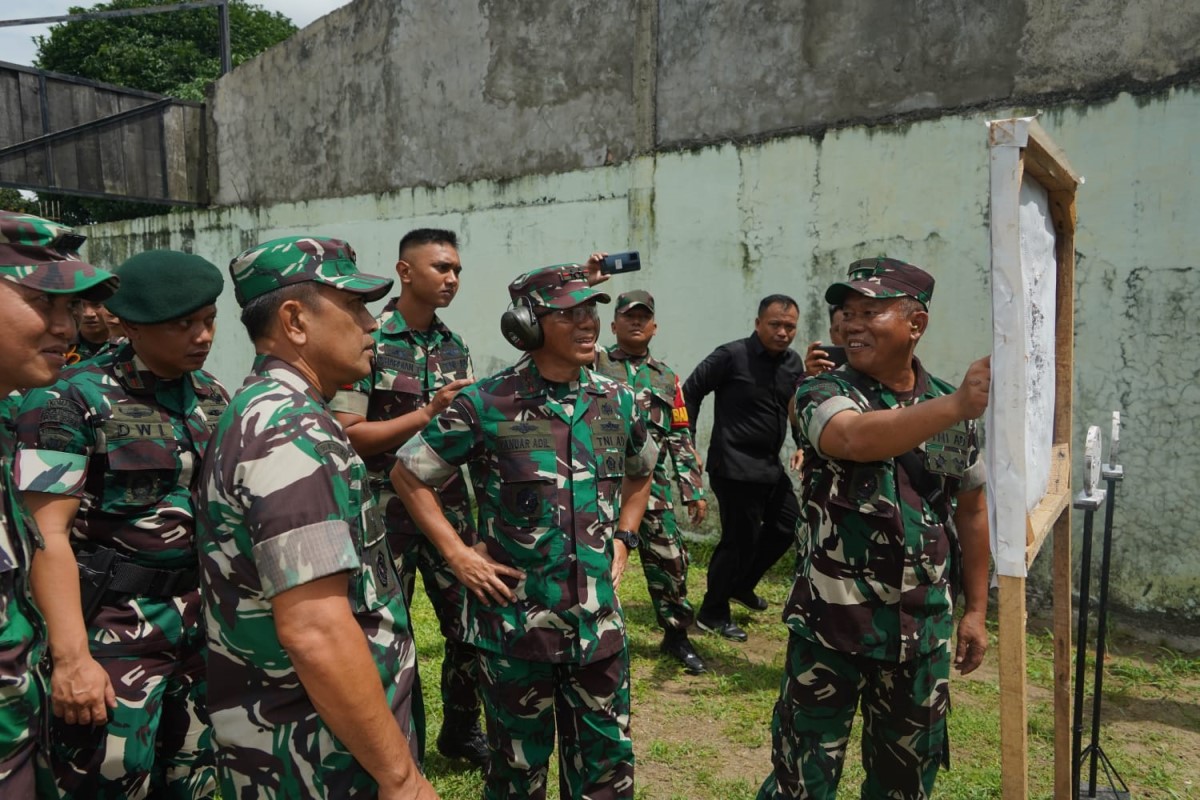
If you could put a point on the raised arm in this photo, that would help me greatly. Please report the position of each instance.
(877, 435)
(371, 437)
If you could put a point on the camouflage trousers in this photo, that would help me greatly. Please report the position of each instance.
(904, 708)
(157, 741)
(589, 703)
(26, 775)
(665, 563)
(460, 667)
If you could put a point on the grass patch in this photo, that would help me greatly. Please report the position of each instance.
(707, 737)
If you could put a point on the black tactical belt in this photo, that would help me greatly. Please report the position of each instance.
(130, 578)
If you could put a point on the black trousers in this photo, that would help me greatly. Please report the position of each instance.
(758, 525)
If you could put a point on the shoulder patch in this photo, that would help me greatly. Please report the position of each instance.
(329, 446)
(61, 412)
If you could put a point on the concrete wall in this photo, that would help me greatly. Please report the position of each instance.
(386, 94)
(721, 226)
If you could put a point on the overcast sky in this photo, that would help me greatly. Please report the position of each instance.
(17, 47)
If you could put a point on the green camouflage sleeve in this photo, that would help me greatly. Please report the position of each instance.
(350, 400)
(55, 441)
(641, 452)
(976, 472)
(818, 400)
(353, 398)
(295, 498)
(687, 465)
(446, 443)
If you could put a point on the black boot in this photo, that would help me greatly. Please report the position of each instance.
(676, 644)
(461, 737)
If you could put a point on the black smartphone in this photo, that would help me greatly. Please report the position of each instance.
(617, 263)
(834, 353)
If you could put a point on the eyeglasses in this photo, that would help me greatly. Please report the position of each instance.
(575, 315)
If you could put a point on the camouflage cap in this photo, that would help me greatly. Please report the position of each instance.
(296, 259)
(162, 285)
(43, 255)
(633, 299)
(883, 277)
(560, 286)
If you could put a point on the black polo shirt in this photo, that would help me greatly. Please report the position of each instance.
(753, 388)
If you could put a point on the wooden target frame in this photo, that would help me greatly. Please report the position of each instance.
(1020, 151)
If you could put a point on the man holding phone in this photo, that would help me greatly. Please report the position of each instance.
(824, 357)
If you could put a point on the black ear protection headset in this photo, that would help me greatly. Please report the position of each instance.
(521, 327)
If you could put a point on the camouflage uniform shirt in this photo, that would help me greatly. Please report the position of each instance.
(127, 444)
(546, 460)
(875, 555)
(23, 692)
(656, 387)
(408, 369)
(283, 502)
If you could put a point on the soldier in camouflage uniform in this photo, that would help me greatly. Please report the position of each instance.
(555, 451)
(107, 463)
(664, 556)
(419, 366)
(41, 275)
(93, 333)
(892, 469)
(310, 653)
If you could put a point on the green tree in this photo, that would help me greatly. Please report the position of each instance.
(11, 200)
(175, 54)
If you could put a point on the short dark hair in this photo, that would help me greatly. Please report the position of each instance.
(833, 309)
(776, 299)
(420, 236)
(259, 312)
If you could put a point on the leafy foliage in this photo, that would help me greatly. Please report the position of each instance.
(175, 54)
(11, 200)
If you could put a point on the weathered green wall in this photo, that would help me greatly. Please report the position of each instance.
(721, 226)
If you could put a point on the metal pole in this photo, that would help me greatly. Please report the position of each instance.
(1089, 501)
(122, 12)
(226, 52)
(1085, 569)
(1101, 622)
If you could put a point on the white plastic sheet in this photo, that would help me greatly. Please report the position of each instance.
(1020, 414)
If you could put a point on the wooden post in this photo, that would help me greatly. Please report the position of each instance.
(1014, 714)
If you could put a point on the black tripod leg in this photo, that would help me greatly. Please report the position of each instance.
(1085, 570)
(1102, 624)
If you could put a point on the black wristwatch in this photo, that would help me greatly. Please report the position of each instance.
(629, 538)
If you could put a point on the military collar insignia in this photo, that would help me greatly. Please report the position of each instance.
(395, 323)
(588, 383)
(617, 354)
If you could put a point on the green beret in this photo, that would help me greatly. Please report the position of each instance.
(162, 285)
